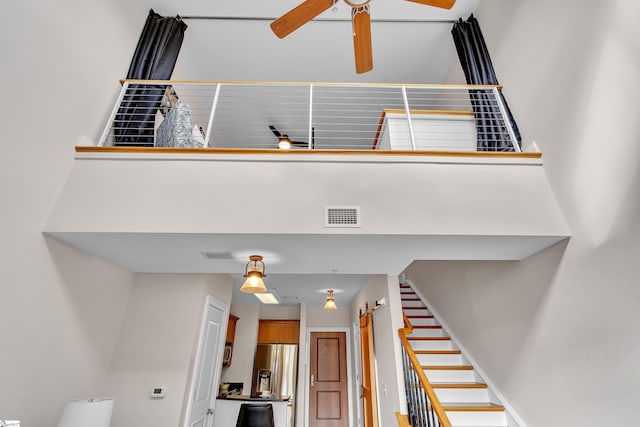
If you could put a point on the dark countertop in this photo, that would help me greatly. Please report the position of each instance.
(246, 398)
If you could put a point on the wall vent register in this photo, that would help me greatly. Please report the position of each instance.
(342, 216)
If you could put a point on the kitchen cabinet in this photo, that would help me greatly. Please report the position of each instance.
(231, 328)
(278, 331)
(231, 334)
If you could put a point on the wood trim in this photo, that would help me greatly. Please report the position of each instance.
(403, 420)
(448, 367)
(427, 112)
(460, 385)
(230, 82)
(245, 151)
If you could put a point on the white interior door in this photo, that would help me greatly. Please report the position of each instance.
(206, 374)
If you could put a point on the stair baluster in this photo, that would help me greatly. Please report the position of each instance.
(423, 405)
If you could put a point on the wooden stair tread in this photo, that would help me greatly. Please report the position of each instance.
(410, 338)
(426, 326)
(416, 308)
(459, 385)
(410, 299)
(437, 351)
(448, 367)
(472, 407)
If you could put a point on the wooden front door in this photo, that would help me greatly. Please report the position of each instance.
(328, 400)
(368, 392)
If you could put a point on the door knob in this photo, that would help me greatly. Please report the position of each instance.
(313, 382)
(209, 411)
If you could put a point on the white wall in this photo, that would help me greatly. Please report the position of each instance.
(317, 316)
(556, 332)
(439, 197)
(157, 345)
(61, 309)
(244, 346)
(386, 321)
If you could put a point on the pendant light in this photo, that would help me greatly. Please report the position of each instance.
(254, 272)
(331, 301)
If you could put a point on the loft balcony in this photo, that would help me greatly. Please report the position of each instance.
(159, 191)
(312, 116)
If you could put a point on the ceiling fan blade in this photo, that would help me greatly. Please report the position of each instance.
(299, 143)
(362, 38)
(299, 15)
(444, 4)
(275, 131)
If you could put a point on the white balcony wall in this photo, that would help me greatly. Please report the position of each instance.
(442, 209)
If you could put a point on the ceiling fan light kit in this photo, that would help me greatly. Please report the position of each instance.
(360, 21)
(284, 143)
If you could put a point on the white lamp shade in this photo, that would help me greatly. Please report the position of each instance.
(87, 412)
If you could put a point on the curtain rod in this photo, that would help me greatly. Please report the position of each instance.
(266, 18)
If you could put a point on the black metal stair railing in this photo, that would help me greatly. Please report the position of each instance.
(423, 405)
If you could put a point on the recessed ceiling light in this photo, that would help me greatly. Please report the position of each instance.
(267, 298)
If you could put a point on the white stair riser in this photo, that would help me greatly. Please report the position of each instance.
(437, 332)
(467, 395)
(439, 359)
(472, 419)
(413, 304)
(423, 322)
(450, 376)
(431, 345)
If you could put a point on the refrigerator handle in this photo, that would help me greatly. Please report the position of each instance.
(312, 381)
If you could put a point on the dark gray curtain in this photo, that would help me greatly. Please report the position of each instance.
(154, 59)
(478, 69)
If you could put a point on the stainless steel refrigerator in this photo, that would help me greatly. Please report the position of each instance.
(276, 368)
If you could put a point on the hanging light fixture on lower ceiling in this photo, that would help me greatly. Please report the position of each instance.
(331, 301)
(254, 272)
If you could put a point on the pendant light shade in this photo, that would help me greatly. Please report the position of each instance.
(331, 301)
(254, 272)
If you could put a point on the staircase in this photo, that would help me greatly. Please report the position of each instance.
(465, 398)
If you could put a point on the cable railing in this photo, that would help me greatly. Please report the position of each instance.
(309, 116)
(423, 405)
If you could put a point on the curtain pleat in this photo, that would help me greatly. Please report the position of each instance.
(154, 59)
(478, 70)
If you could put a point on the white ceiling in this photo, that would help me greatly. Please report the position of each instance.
(320, 51)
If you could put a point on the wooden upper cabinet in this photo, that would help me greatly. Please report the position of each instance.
(231, 328)
(278, 331)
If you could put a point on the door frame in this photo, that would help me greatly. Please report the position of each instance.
(358, 368)
(209, 301)
(307, 364)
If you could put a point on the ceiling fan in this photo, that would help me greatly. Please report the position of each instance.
(360, 18)
(285, 143)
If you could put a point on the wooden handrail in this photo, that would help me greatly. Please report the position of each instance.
(426, 385)
(368, 152)
(403, 420)
(349, 84)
